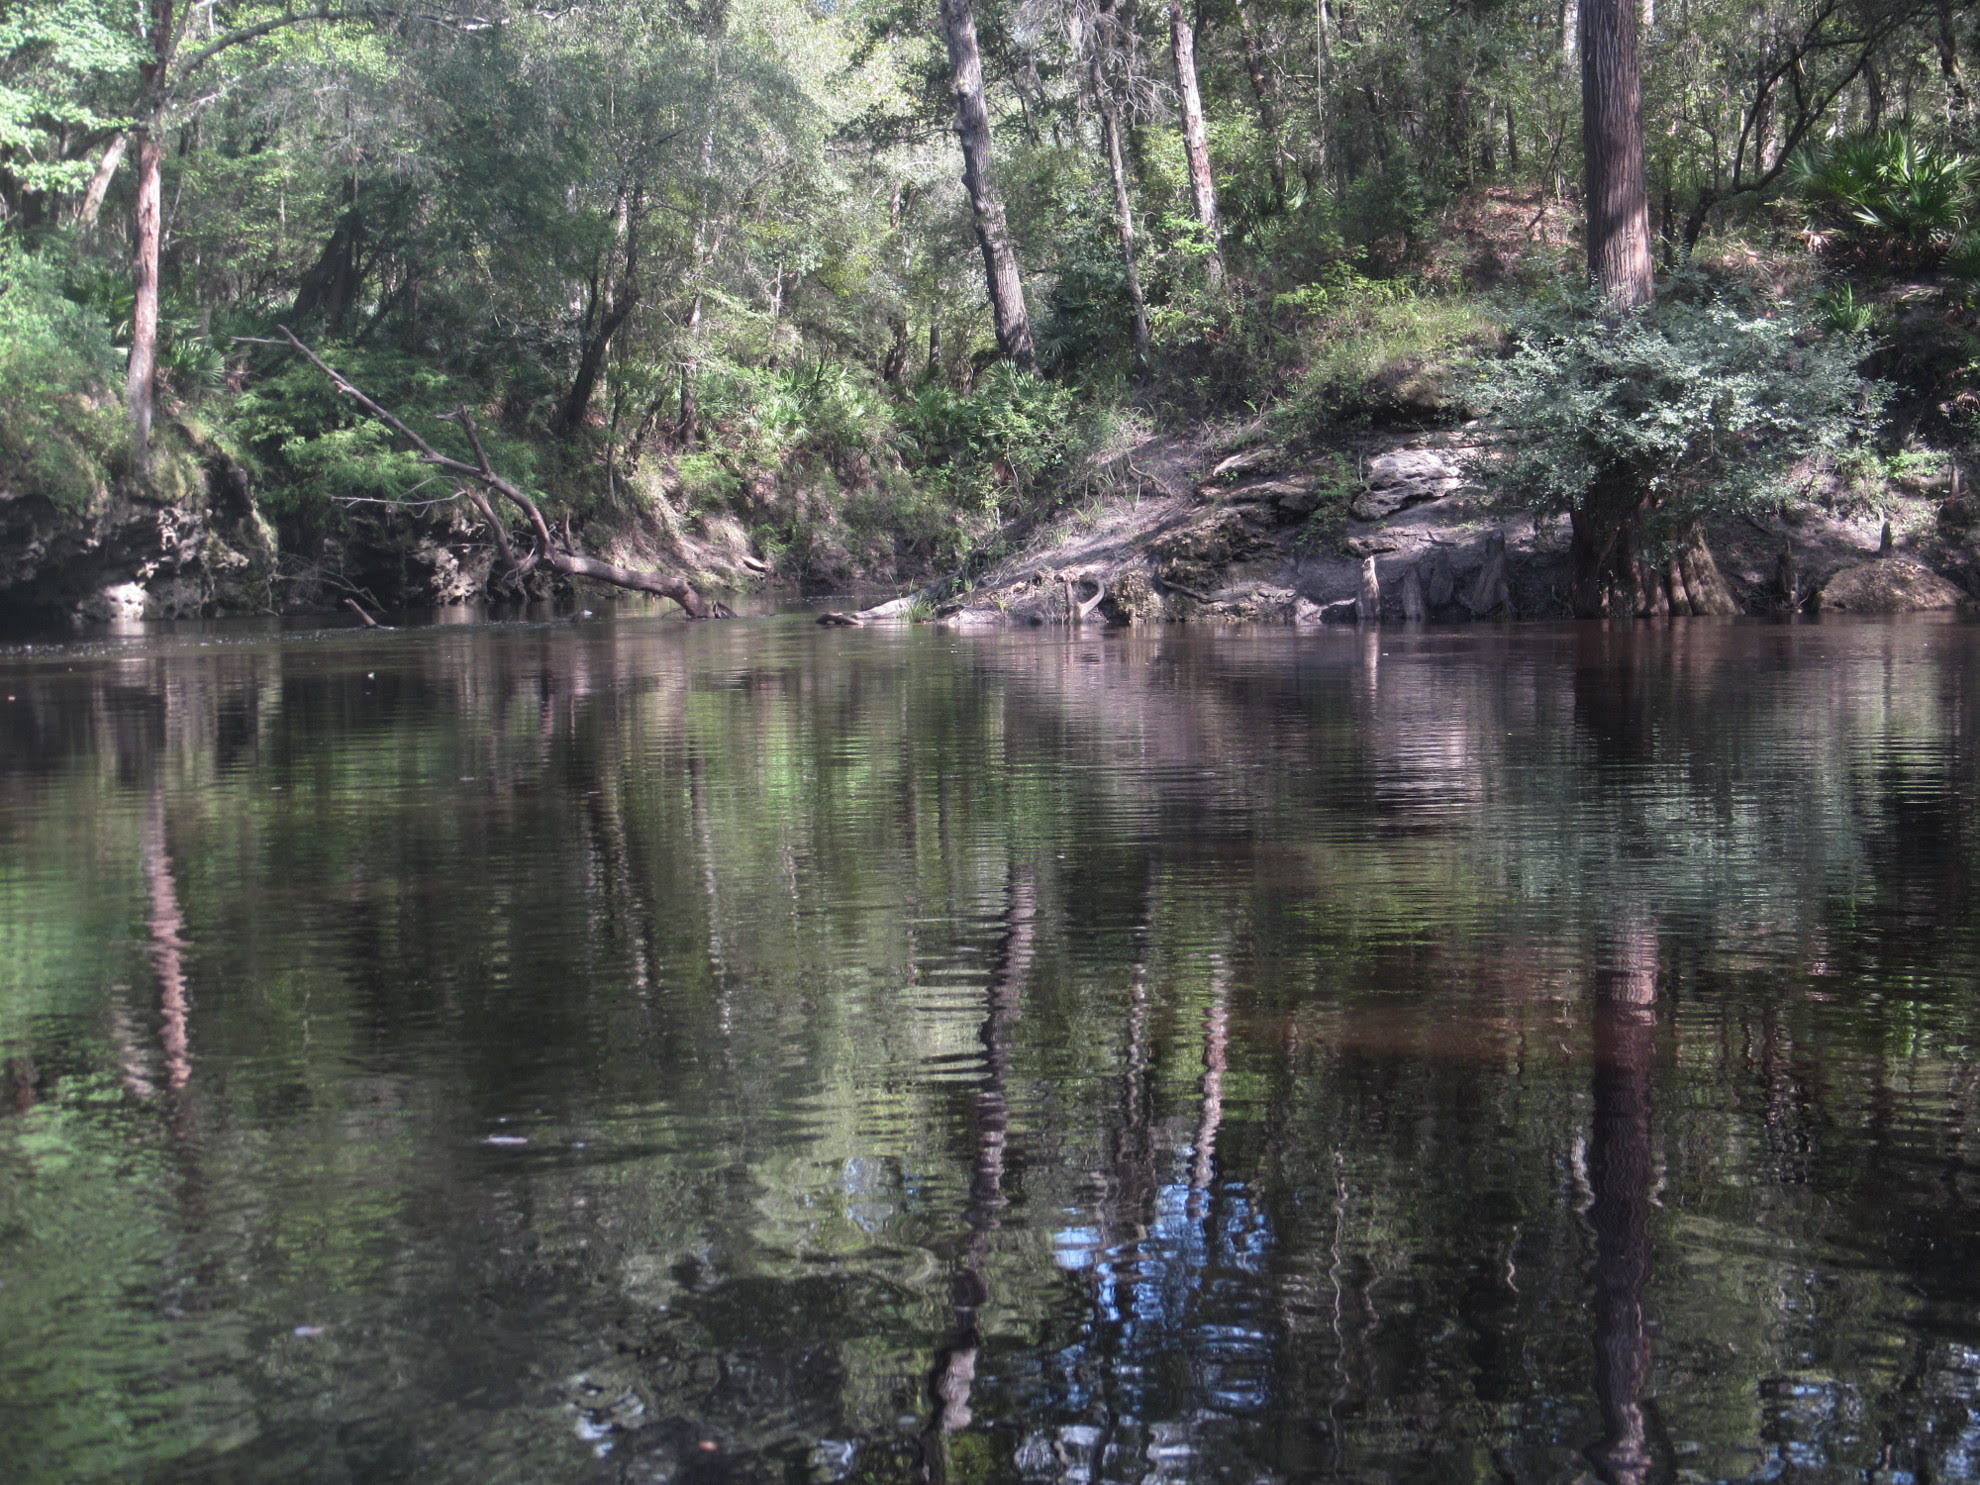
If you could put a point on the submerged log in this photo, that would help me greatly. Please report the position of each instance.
(547, 551)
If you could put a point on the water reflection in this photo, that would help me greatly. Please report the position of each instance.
(1620, 1179)
(746, 1052)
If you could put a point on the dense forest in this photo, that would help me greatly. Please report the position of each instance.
(837, 291)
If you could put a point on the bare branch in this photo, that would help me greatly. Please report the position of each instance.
(486, 480)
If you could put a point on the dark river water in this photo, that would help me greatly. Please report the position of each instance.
(626, 1050)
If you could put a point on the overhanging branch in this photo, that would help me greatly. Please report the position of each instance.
(483, 481)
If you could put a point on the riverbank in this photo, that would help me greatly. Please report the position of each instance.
(1230, 525)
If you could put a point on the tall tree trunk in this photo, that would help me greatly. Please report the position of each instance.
(893, 366)
(1110, 129)
(1959, 103)
(1105, 73)
(598, 344)
(591, 363)
(1618, 202)
(1196, 145)
(1323, 79)
(993, 235)
(140, 373)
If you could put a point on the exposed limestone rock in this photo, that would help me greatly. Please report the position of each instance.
(1198, 556)
(1288, 497)
(117, 601)
(1892, 585)
(1257, 460)
(1410, 592)
(1489, 594)
(1406, 477)
(1439, 579)
(1131, 599)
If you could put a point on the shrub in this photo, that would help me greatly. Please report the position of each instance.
(1696, 404)
(1888, 193)
(1004, 441)
(60, 419)
(319, 453)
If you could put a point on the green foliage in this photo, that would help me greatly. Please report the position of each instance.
(817, 405)
(318, 452)
(998, 443)
(1700, 402)
(1962, 262)
(1368, 348)
(59, 417)
(1890, 191)
(1335, 484)
(1839, 311)
(57, 60)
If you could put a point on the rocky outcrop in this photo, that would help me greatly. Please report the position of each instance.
(187, 541)
(1405, 477)
(1890, 585)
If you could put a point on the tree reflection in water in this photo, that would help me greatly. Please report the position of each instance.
(1151, 1058)
(1619, 1174)
(954, 1371)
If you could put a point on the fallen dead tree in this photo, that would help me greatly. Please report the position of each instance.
(545, 549)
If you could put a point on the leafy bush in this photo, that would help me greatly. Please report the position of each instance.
(60, 419)
(1697, 403)
(1006, 439)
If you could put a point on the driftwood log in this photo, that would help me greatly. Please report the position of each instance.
(545, 549)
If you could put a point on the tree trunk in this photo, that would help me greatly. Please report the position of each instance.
(91, 204)
(1268, 103)
(1196, 145)
(993, 236)
(1489, 591)
(893, 366)
(1323, 76)
(140, 374)
(570, 413)
(1368, 597)
(1617, 197)
(1110, 130)
(1959, 104)
(598, 344)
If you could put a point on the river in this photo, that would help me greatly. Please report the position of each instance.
(632, 1050)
